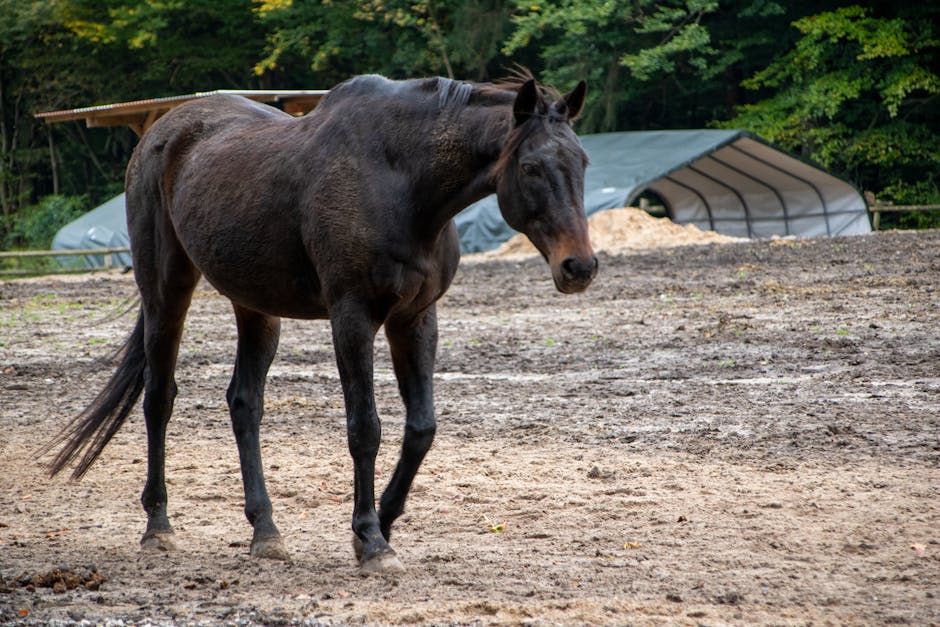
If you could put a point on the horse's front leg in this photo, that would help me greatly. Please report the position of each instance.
(354, 340)
(413, 343)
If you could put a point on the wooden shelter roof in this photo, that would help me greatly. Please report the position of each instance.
(140, 114)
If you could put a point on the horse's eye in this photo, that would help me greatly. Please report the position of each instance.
(530, 169)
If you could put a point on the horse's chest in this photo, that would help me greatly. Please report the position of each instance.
(411, 285)
(399, 282)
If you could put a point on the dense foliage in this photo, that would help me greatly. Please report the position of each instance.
(852, 86)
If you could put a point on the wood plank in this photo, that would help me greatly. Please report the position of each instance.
(19, 254)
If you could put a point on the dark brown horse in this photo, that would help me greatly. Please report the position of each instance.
(345, 214)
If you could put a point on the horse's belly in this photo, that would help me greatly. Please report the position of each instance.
(266, 270)
(283, 301)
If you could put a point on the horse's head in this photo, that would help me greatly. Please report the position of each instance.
(541, 184)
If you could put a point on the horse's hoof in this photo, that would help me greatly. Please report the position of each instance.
(382, 564)
(161, 541)
(270, 548)
(357, 547)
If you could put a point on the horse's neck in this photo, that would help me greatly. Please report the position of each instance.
(465, 149)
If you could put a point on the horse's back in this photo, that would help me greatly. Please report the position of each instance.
(186, 126)
(283, 214)
(163, 151)
(204, 184)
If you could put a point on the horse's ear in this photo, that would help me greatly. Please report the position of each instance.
(527, 99)
(574, 100)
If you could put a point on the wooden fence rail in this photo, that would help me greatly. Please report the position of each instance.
(877, 210)
(107, 253)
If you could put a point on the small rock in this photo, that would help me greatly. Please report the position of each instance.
(730, 598)
(597, 473)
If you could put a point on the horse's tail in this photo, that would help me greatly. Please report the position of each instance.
(91, 430)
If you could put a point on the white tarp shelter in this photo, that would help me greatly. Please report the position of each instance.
(103, 227)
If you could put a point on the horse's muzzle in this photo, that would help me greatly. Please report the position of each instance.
(574, 274)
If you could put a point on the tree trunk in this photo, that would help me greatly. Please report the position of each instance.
(439, 36)
(4, 147)
(79, 137)
(11, 184)
(53, 160)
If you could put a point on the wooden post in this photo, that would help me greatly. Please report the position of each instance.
(53, 161)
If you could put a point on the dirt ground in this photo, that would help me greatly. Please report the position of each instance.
(743, 433)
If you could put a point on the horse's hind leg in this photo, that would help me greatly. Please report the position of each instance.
(257, 343)
(164, 305)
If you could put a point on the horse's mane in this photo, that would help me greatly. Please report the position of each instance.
(452, 96)
(515, 79)
(451, 93)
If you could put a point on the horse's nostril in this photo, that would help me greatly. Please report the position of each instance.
(573, 268)
(569, 268)
(574, 274)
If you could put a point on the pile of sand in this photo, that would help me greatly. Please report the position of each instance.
(616, 230)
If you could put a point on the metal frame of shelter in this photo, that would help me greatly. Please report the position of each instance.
(730, 181)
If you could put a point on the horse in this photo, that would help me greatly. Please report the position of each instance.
(344, 214)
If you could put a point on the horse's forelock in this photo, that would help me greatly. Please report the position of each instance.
(518, 135)
(503, 91)
(519, 76)
(521, 132)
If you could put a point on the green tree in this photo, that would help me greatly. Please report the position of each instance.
(627, 50)
(168, 47)
(853, 87)
(858, 93)
(44, 67)
(330, 41)
(22, 31)
(61, 54)
(655, 63)
(34, 226)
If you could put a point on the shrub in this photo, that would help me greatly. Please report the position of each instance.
(920, 193)
(35, 226)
